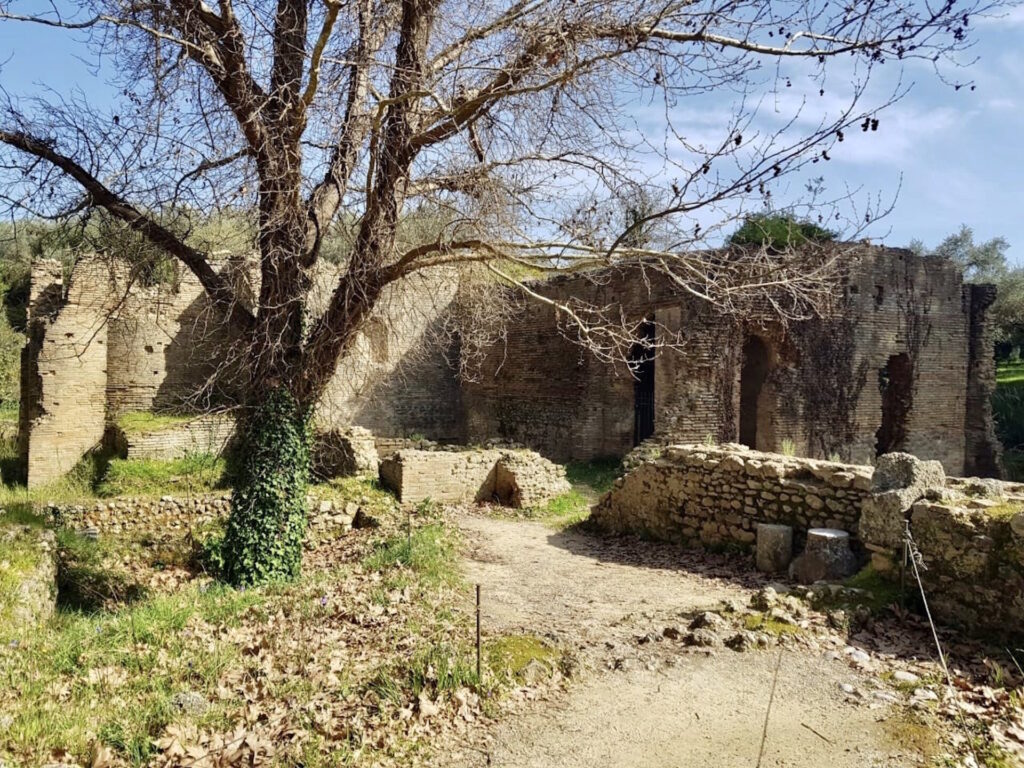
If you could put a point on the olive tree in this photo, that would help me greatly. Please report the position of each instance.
(525, 123)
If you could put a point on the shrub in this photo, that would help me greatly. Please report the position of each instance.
(778, 232)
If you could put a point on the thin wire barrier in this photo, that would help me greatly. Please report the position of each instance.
(917, 564)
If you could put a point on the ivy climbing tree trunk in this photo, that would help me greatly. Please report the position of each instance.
(267, 525)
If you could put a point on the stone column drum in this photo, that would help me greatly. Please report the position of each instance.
(774, 547)
(827, 557)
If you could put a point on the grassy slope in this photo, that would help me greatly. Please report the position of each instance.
(374, 624)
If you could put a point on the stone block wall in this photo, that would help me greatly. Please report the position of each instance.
(513, 478)
(211, 434)
(969, 532)
(974, 558)
(718, 495)
(64, 368)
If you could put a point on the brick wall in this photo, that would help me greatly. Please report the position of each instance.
(823, 385)
(510, 477)
(211, 434)
(64, 368)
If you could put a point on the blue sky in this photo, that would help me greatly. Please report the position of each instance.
(953, 157)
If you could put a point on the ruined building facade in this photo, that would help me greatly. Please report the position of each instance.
(904, 363)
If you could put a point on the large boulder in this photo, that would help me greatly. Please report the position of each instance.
(898, 482)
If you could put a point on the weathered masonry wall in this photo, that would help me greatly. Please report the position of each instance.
(63, 369)
(102, 345)
(970, 533)
(717, 495)
(901, 362)
(211, 434)
(511, 477)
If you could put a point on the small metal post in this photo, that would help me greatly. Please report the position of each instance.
(903, 576)
(479, 680)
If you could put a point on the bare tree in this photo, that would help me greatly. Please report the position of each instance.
(517, 119)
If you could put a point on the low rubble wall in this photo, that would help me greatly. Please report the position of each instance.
(169, 517)
(718, 495)
(516, 478)
(969, 532)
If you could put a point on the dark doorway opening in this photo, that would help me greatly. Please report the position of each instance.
(756, 365)
(896, 385)
(641, 363)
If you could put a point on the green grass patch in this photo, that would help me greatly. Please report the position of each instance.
(877, 591)
(113, 674)
(1005, 511)
(511, 656)
(597, 475)
(762, 622)
(8, 412)
(19, 556)
(429, 552)
(196, 473)
(1009, 373)
(139, 422)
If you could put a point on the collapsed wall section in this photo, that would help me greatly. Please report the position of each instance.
(509, 477)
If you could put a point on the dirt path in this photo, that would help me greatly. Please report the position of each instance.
(644, 703)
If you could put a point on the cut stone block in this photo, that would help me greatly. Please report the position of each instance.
(827, 557)
(774, 547)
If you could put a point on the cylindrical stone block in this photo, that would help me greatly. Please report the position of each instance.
(827, 557)
(774, 547)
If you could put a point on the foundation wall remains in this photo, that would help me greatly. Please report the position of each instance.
(509, 477)
(970, 533)
(211, 434)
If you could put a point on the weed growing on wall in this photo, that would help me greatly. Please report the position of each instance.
(263, 541)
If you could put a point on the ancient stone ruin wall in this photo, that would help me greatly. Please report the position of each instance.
(397, 380)
(899, 364)
(104, 345)
(969, 532)
(509, 477)
(211, 434)
(64, 368)
(718, 495)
